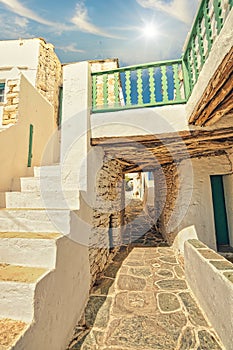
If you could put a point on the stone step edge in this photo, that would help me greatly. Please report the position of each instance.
(30, 235)
(34, 209)
(23, 274)
(9, 326)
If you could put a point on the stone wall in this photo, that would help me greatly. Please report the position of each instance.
(107, 64)
(11, 105)
(97, 66)
(184, 203)
(107, 216)
(166, 192)
(49, 75)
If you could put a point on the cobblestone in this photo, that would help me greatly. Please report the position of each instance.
(147, 304)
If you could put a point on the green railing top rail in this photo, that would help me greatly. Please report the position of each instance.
(144, 85)
(206, 26)
(138, 66)
(193, 30)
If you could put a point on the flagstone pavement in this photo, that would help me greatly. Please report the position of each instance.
(142, 301)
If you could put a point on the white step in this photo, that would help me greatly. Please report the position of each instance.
(48, 170)
(44, 199)
(17, 286)
(29, 249)
(65, 173)
(38, 220)
(50, 183)
(8, 337)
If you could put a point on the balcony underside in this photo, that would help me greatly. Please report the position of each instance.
(217, 99)
(147, 152)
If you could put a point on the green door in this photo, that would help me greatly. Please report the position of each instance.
(220, 215)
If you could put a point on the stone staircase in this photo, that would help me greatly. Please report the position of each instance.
(38, 284)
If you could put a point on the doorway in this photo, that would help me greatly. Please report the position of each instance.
(220, 214)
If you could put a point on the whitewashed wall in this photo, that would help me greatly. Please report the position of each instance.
(75, 120)
(23, 54)
(198, 221)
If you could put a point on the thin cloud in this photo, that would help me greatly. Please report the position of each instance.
(18, 30)
(21, 22)
(70, 48)
(126, 29)
(82, 21)
(182, 10)
(16, 7)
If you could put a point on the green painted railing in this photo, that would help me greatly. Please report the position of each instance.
(167, 82)
(30, 145)
(207, 25)
(145, 85)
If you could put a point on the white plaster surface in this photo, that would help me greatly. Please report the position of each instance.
(38, 220)
(75, 120)
(47, 171)
(16, 300)
(49, 183)
(142, 121)
(213, 291)
(23, 54)
(28, 252)
(60, 299)
(57, 199)
(195, 200)
(35, 110)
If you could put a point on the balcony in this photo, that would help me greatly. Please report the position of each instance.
(164, 83)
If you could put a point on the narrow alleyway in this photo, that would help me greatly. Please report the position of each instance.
(142, 301)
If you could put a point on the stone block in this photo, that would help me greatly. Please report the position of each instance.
(11, 108)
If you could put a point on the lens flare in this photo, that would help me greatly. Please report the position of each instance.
(150, 30)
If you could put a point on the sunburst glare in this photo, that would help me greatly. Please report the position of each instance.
(150, 30)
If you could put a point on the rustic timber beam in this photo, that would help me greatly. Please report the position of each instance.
(218, 99)
(150, 152)
(218, 88)
(225, 107)
(163, 139)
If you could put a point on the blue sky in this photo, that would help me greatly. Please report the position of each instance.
(135, 31)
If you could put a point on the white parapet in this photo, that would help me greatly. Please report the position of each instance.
(75, 120)
(141, 121)
(210, 277)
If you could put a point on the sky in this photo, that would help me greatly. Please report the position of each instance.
(135, 31)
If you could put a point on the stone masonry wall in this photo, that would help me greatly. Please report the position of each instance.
(108, 211)
(49, 75)
(165, 199)
(97, 66)
(10, 109)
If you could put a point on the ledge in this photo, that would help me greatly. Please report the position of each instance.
(210, 276)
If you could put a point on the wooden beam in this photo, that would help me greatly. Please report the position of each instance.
(222, 77)
(218, 99)
(225, 107)
(162, 139)
(151, 153)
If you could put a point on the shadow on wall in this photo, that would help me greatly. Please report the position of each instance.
(34, 110)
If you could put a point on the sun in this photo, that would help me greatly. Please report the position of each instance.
(150, 30)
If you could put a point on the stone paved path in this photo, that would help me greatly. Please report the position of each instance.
(142, 301)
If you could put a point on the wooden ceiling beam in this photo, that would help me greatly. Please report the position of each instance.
(148, 155)
(218, 88)
(224, 108)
